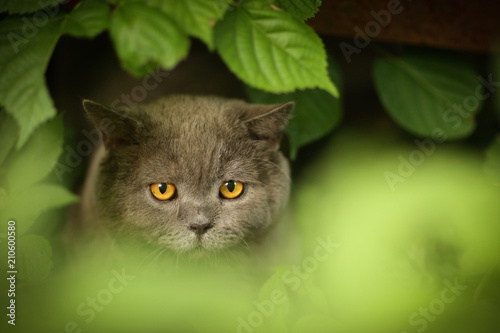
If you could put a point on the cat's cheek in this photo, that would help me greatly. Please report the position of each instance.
(242, 221)
(149, 219)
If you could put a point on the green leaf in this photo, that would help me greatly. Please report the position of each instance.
(8, 136)
(274, 290)
(25, 55)
(24, 205)
(301, 9)
(35, 159)
(143, 35)
(26, 6)
(24, 198)
(195, 17)
(425, 93)
(271, 50)
(492, 162)
(316, 112)
(88, 19)
(34, 258)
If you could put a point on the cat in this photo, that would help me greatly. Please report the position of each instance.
(191, 174)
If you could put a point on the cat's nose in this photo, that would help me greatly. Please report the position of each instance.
(200, 228)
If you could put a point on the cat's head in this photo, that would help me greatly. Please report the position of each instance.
(192, 174)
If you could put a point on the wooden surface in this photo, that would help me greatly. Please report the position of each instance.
(469, 25)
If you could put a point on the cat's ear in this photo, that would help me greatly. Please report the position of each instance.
(267, 122)
(117, 128)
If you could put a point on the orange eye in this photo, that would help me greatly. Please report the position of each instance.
(231, 189)
(163, 191)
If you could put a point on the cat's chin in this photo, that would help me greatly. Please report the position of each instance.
(200, 248)
(203, 253)
(198, 252)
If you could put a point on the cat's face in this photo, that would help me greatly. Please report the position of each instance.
(193, 174)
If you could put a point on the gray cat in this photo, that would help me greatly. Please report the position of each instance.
(187, 173)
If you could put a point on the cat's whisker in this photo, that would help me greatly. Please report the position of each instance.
(119, 232)
(243, 241)
(228, 250)
(148, 256)
(223, 251)
(237, 258)
(219, 256)
(157, 256)
(213, 258)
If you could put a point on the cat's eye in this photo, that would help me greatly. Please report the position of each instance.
(163, 191)
(231, 189)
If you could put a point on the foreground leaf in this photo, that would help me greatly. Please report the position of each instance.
(36, 158)
(24, 205)
(301, 9)
(428, 93)
(143, 35)
(274, 298)
(271, 50)
(88, 19)
(316, 111)
(24, 59)
(445, 207)
(24, 198)
(34, 258)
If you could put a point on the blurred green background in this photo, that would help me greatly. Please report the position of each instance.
(394, 207)
(423, 257)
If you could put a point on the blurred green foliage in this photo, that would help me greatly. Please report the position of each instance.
(420, 254)
(424, 257)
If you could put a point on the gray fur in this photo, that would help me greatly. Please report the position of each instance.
(196, 143)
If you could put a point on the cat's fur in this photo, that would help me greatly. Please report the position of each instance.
(196, 143)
